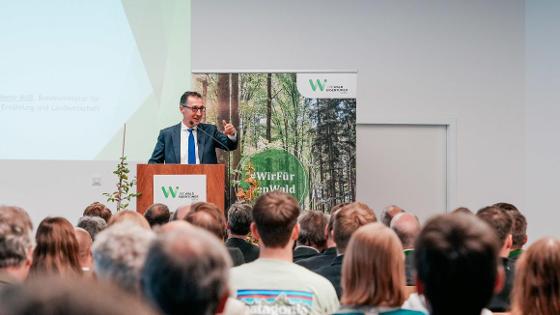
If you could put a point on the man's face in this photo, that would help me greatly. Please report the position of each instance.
(192, 111)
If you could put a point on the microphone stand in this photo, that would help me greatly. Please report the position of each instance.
(228, 161)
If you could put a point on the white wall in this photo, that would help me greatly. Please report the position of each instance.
(424, 60)
(416, 60)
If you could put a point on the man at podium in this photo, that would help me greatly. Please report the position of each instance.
(191, 141)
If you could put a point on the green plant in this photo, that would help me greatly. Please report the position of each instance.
(124, 194)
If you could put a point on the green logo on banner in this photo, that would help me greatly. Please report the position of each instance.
(170, 191)
(275, 169)
(320, 85)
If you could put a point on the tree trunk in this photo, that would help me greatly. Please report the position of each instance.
(269, 107)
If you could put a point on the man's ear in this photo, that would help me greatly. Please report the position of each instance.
(500, 279)
(295, 232)
(509, 241)
(222, 303)
(525, 239)
(254, 231)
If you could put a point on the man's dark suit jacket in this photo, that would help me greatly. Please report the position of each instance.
(332, 272)
(303, 252)
(250, 251)
(500, 302)
(409, 267)
(168, 146)
(321, 260)
(236, 256)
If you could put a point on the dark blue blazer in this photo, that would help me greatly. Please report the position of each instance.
(168, 146)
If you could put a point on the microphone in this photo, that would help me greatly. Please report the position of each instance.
(221, 143)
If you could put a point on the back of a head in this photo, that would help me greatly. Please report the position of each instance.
(240, 218)
(57, 250)
(209, 217)
(275, 214)
(16, 238)
(92, 224)
(537, 279)
(98, 209)
(186, 272)
(389, 212)
(519, 230)
(407, 227)
(373, 280)
(312, 229)
(499, 219)
(130, 216)
(347, 220)
(464, 210)
(157, 214)
(456, 261)
(69, 296)
(119, 253)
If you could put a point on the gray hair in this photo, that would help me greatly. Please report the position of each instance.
(119, 253)
(186, 268)
(407, 227)
(92, 225)
(16, 236)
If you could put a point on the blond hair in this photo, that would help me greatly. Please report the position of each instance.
(537, 279)
(378, 279)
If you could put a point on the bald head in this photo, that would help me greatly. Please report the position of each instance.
(389, 213)
(84, 242)
(407, 227)
(181, 212)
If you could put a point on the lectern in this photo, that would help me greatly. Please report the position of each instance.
(213, 173)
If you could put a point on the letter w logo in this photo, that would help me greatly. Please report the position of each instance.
(172, 192)
(320, 85)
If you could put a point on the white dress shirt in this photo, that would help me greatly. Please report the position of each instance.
(184, 144)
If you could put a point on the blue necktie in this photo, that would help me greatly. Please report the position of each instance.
(192, 155)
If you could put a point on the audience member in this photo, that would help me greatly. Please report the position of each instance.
(239, 223)
(91, 224)
(326, 257)
(457, 264)
(407, 227)
(519, 231)
(388, 213)
(347, 220)
(16, 245)
(97, 209)
(119, 253)
(130, 216)
(537, 282)
(462, 210)
(373, 284)
(311, 240)
(209, 217)
(181, 212)
(69, 296)
(157, 214)
(186, 272)
(57, 250)
(273, 283)
(84, 245)
(501, 222)
(519, 236)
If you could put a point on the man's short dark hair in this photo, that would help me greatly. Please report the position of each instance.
(209, 217)
(157, 214)
(98, 209)
(499, 219)
(56, 295)
(186, 271)
(16, 238)
(347, 220)
(93, 225)
(519, 230)
(186, 95)
(239, 218)
(456, 259)
(506, 206)
(312, 229)
(275, 214)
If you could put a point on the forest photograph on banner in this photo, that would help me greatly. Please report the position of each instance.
(297, 133)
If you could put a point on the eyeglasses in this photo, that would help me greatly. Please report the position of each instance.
(196, 109)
